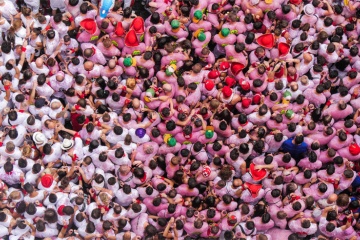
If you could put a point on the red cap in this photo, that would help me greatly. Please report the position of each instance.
(47, 180)
(230, 81)
(245, 85)
(213, 74)
(354, 149)
(224, 66)
(284, 49)
(236, 68)
(296, 2)
(119, 30)
(209, 85)
(245, 103)
(226, 91)
(253, 189)
(60, 210)
(131, 39)
(138, 25)
(257, 175)
(266, 40)
(89, 25)
(256, 98)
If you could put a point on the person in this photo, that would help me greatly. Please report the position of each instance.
(179, 120)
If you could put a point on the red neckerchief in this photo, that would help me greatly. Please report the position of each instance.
(187, 136)
(152, 120)
(94, 51)
(104, 207)
(244, 124)
(143, 178)
(9, 173)
(294, 198)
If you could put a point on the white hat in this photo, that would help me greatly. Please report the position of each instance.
(254, 2)
(67, 144)
(39, 138)
(309, 9)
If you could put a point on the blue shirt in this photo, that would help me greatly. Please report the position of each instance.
(296, 151)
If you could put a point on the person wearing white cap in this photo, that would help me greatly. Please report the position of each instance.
(7, 9)
(309, 16)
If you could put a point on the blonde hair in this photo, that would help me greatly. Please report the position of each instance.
(104, 197)
(17, 24)
(131, 83)
(26, 151)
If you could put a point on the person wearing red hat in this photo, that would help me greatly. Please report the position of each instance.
(132, 44)
(89, 31)
(118, 35)
(227, 96)
(209, 89)
(245, 106)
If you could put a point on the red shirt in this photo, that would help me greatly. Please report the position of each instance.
(76, 126)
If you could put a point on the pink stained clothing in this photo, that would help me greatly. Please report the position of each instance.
(336, 113)
(181, 138)
(182, 33)
(185, 191)
(165, 149)
(263, 227)
(305, 163)
(248, 198)
(313, 191)
(221, 206)
(141, 155)
(203, 24)
(340, 125)
(108, 52)
(295, 226)
(247, 110)
(290, 212)
(277, 233)
(272, 124)
(337, 144)
(98, 56)
(119, 40)
(281, 223)
(224, 149)
(107, 72)
(191, 230)
(223, 133)
(345, 183)
(133, 50)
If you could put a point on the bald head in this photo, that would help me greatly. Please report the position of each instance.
(332, 198)
(167, 87)
(88, 52)
(136, 103)
(112, 63)
(39, 62)
(55, 105)
(307, 57)
(59, 77)
(88, 65)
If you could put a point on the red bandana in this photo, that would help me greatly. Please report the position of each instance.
(143, 178)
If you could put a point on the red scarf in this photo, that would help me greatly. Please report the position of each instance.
(143, 178)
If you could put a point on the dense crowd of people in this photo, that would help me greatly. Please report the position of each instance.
(209, 119)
